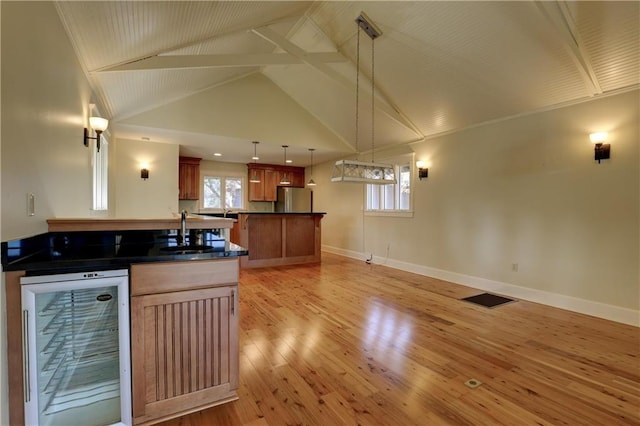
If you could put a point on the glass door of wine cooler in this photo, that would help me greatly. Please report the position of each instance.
(76, 335)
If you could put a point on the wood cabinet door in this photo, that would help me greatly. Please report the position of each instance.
(189, 179)
(271, 180)
(184, 351)
(256, 189)
(297, 179)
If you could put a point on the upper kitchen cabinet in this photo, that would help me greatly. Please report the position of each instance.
(270, 176)
(189, 178)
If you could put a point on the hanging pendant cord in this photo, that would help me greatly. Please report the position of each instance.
(373, 98)
(357, 88)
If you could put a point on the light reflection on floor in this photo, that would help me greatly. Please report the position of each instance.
(387, 333)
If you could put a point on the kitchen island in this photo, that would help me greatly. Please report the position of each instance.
(276, 239)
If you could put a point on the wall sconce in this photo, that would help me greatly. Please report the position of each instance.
(99, 125)
(423, 172)
(602, 150)
(144, 171)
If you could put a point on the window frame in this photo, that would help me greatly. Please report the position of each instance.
(223, 178)
(398, 163)
(100, 174)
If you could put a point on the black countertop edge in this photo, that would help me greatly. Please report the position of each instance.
(83, 251)
(286, 213)
(86, 265)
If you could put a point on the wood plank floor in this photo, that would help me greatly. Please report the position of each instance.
(346, 343)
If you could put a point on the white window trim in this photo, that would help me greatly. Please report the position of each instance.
(413, 177)
(223, 176)
(100, 184)
(389, 213)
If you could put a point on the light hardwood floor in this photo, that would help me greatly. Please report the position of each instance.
(346, 343)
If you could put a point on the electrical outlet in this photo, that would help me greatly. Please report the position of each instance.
(514, 267)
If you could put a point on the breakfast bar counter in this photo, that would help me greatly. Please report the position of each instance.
(276, 239)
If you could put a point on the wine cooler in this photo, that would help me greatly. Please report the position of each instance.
(76, 349)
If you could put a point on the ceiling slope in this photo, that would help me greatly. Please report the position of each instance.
(226, 118)
(439, 66)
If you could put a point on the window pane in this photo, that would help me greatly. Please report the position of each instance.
(404, 186)
(392, 197)
(233, 193)
(373, 197)
(212, 197)
(389, 196)
(100, 174)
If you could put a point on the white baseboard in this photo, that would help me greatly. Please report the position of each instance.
(596, 309)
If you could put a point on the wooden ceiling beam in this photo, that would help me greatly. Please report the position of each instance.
(223, 61)
(385, 106)
(560, 18)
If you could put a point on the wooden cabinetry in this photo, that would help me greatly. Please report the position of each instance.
(277, 239)
(189, 178)
(184, 337)
(270, 176)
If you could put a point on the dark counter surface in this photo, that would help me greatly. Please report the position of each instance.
(289, 213)
(62, 252)
(234, 215)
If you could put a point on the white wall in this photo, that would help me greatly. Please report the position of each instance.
(525, 190)
(45, 100)
(44, 105)
(251, 108)
(156, 197)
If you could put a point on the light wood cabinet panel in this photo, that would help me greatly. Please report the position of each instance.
(277, 239)
(184, 344)
(189, 178)
(297, 179)
(270, 176)
(256, 189)
(14, 346)
(234, 234)
(271, 180)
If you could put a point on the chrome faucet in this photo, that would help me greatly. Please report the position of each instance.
(182, 240)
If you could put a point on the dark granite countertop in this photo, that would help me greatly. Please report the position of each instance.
(62, 252)
(234, 215)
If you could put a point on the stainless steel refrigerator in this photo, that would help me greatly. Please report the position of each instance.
(294, 200)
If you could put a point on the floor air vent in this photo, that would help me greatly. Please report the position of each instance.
(488, 300)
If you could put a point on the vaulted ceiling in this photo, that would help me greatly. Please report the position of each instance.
(213, 76)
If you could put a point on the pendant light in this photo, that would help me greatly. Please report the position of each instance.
(354, 170)
(285, 179)
(254, 175)
(311, 181)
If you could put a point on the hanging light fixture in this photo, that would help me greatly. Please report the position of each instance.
(285, 178)
(254, 175)
(311, 181)
(354, 170)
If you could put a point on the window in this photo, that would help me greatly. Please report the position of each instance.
(393, 198)
(100, 165)
(223, 192)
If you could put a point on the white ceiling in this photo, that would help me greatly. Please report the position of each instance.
(439, 67)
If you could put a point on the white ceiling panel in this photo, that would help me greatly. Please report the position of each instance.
(440, 66)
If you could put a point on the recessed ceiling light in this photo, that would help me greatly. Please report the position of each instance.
(217, 154)
(289, 161)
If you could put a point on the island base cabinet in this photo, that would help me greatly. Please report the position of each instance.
(184, 352)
